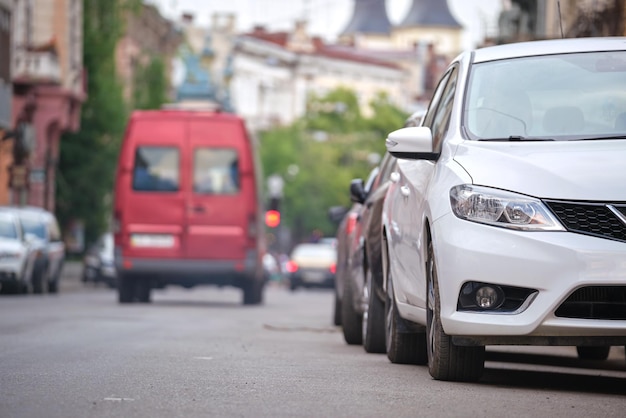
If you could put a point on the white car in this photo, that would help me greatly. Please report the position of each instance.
(506, 219)
(44, 227)
(18, 254)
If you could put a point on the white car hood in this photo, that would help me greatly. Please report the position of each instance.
(576, 170)
(10, 244)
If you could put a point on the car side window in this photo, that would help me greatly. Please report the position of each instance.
(434, 102)
(387, 166)
(442, 115)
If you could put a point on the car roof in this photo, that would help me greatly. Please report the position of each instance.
(549, 47)
(30, 211)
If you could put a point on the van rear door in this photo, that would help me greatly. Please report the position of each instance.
(152, 209)
(217, 205)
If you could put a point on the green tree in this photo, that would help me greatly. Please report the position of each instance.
(330, 146)
(88, 158)
(150, 85)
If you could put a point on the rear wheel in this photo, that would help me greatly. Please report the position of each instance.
(593, 353)
(39, 285)
(403, 346)
(447, 361)
(253, 292)
(350, 318)
(143, 289)
(126, 288)
(337, 310)
(373, 321)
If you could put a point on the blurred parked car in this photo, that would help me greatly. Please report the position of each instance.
(312, 265)
(99, 262)
(344, 233)
(43, 225)
(19, 253)
(363, 318)
(506, 219)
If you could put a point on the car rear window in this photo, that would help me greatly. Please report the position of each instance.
(215, 171)
(156, 169)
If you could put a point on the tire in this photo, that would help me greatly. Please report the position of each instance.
(253, 292)
(143, 289)
(594, 352)
(447, 361)
(337, 310)
(126, 288)
(39, 280)
(350, 319)
(403, 347)
(373, 320)
(53, 284)
(53, 287)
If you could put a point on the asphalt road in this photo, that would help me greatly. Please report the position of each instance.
(200, 353)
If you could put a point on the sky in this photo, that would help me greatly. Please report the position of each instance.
(327, 18)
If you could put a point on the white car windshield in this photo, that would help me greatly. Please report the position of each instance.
(551, 97)
(7, 228)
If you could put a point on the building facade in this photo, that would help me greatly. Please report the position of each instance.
(6, 96)
(148, 35)
(48, 92)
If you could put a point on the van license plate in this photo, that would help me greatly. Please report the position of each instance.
(151, 241)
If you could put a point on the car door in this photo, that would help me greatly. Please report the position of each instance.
(411, 208)
(216, 204)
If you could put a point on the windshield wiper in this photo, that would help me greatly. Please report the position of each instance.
(603, 137)
(517, 138)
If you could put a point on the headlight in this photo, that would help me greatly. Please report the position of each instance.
(500, 208)
(10, 254)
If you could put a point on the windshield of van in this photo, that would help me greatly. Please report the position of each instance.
(550, 97)
(156, 169)
(215, 171)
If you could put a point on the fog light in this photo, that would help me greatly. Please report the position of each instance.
(487, 297)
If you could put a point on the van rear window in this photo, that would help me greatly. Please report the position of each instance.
(215, 171)
(156, 169)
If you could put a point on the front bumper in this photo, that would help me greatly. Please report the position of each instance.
(554, 263)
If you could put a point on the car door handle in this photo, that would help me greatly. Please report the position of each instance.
(197, 209)
(394, 177)
(405, 191)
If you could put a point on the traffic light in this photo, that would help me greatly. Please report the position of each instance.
(272, 218)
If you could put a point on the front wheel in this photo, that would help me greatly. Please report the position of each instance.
(373, 322)
(403, 346)
(447, 361)
(350, 318)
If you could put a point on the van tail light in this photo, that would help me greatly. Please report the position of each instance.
(292, 267)
(351, 223)
(333, 268)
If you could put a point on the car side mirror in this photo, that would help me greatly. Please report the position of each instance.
(357, 191)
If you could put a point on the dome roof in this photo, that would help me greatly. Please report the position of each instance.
(430, 13)
(370, 16)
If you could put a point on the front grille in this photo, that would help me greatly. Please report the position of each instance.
(595, 302)
(597, 219)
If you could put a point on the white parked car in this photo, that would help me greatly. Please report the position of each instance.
(43, 225)
(506, 221)
(19, 253)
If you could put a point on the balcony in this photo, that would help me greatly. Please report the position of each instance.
(36, 67)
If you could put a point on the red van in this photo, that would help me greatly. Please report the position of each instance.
(187, 207)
